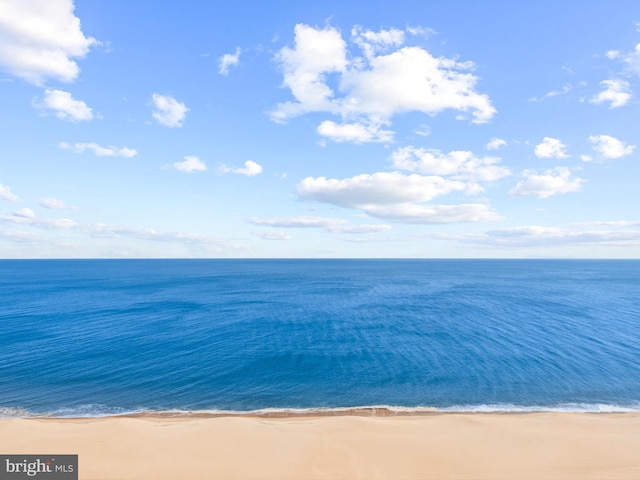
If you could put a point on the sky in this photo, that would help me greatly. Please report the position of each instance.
(410, 129)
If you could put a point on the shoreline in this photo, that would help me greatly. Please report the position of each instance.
(285, 412)
(430, 445)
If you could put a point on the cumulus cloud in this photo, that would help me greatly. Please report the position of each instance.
(39, 39)
(461, 165)
(228, 60)
(190, 164)
(544, 185)
(52, 203)
(551, 148)
(610, 147)
(65, 106)
(168, 111)
(616, 92)
(354, 132)
(389, 79)
(396, 196)
(7, 194)
(98, 150)
(250, 169)
(325, 223)
(496, 143)
(377, 188)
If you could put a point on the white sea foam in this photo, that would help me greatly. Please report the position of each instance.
(100, 411)
(11, 412)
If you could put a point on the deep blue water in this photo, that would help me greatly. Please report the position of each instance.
(108, 336)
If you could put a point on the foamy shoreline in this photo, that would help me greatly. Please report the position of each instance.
(97, 411)
(431, 445)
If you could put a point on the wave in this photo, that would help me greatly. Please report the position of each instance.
(101, 411)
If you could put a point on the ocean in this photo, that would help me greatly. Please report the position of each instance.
(109, 337)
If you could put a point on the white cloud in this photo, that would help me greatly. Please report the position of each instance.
(190, 164)
(610, 147)
(496, 143)
(423, 130)
(100, 151)
(374, 42)
(551, 148)
(372, 89)
(411, 79)
(325, 223)
(614, 223)
(354, 132)
(396, 196)
(40, 39)
(168, 111)
(228, 60)
(616, 92)
(65, 106)
(632, 59)
(460, 164)
(384, 188)
(7, 194)
(432, 214)
(250, 169)
(103, 230)
(27, 217)
(316, 53)
(274, 235)
(52, 203)
(551, 182)
(553, 93)
(612, 54)
(540, 236)
(25, 213)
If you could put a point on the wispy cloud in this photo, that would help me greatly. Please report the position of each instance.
(228, 60)
(98, 150)
(7, 194)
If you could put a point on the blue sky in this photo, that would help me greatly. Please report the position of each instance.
(324, 129)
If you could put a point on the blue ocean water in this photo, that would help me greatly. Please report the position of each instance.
(96, 337)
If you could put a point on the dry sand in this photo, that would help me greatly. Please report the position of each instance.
(438, 446)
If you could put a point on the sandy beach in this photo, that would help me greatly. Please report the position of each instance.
(430, 446)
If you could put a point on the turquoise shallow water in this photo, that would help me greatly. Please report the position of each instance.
(96, 337)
